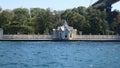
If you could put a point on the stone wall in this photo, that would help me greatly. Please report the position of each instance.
(97, 37)
(27, 37)
(74, 34)
(50, 37)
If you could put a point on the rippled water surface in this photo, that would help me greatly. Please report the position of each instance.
(48, 54)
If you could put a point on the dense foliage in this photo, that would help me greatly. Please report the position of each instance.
(42, 21)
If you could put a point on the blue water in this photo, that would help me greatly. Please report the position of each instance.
(59, 54)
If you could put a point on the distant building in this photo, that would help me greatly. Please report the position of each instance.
(1, 33)
(64, 32)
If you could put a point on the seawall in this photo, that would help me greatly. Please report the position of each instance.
(49, 37)
(27, 37)
(97, 37)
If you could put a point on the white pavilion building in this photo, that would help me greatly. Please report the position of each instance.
(64, 32)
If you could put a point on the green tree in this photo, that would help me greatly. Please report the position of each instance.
(21, 15)
(6, 18)
(57, 18)
(42, 20)
(0, 9)
(18, 29)
(97, 20)
(21, 22)
(116, 24)
(77, 19)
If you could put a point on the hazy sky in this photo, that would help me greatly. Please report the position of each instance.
(53, 4)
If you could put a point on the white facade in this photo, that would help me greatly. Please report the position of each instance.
(64, 32)
(1, 33)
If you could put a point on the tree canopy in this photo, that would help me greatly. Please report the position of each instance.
(42, 21)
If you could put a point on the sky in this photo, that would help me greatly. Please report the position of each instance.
(52, 4)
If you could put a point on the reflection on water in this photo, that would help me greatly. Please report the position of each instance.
(59, 54)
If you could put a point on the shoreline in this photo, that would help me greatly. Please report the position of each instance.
(64, 40)
(94, 38)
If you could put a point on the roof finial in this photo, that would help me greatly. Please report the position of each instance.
(65, 23)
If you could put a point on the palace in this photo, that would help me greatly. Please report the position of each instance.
(64, 32)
